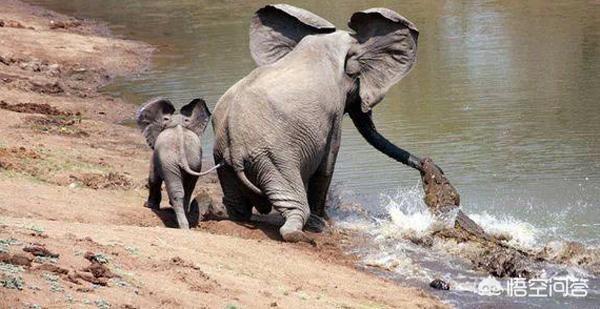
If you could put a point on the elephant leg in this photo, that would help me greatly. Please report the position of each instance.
(262, 204)
(176, 192)
(318, 186)
(285, 190)
(189, 184)
(154, 187)
(238, 208)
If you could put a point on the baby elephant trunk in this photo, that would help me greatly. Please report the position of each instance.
(183, 159)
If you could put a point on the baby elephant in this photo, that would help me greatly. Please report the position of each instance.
(177, 151)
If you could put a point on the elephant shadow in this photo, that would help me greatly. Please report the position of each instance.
(259, 226)
(267, 225)
(168, 218)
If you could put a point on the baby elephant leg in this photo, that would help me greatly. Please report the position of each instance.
(176, 193)
(189, 184)
(154, 187)
(192, 213)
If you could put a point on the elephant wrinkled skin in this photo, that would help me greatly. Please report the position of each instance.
(278, 130)
(177, 154)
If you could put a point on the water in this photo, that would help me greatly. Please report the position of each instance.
(404, 215)
(505, 97)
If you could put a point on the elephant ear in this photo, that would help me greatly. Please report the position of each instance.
(385, 51)
(277, 28)
(195, 116)
(152, 117)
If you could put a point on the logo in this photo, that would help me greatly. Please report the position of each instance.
(536, 287)
(489, 287)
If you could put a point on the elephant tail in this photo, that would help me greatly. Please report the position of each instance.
(236, 159)
(183, 159)
(242, 176)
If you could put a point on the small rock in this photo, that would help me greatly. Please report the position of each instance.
(439, 284)
(11, 24)
(425, 241)
(54, 69)
(56, 24)
(15, 259)
(47, 88)
(40, 250)
(53, 268)
(63, 25)
(6, 60)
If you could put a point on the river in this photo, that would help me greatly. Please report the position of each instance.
(505, 97)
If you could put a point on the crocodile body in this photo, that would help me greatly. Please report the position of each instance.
(489, 252)
(441, 197)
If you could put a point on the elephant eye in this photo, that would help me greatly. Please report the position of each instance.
(166, 118)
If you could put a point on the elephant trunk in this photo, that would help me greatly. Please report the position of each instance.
(366, 127)
(183, 159)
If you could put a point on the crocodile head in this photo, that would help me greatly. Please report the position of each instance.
(440, 195)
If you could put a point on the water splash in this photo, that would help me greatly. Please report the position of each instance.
(521, 234)
(394, 221)
(406, 213)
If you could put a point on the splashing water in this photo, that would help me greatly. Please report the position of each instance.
(521, 234)
(395, 220)
(394, 223)
(389, 223)
(405, 214)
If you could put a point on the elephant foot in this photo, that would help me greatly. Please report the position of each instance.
(152, 205)
(182, 223)
(181, 217)
(298, 236)
(291, 231)
(315, 224)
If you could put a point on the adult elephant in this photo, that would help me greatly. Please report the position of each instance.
(278, 129)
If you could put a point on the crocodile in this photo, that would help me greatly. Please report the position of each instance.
(495, 257)
(441, 197)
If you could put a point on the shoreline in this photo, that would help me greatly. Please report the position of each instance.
(73, 181)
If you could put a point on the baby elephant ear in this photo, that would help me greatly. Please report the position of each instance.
(195, 116)
(152, 117)
(385, 51)
(277, 28)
